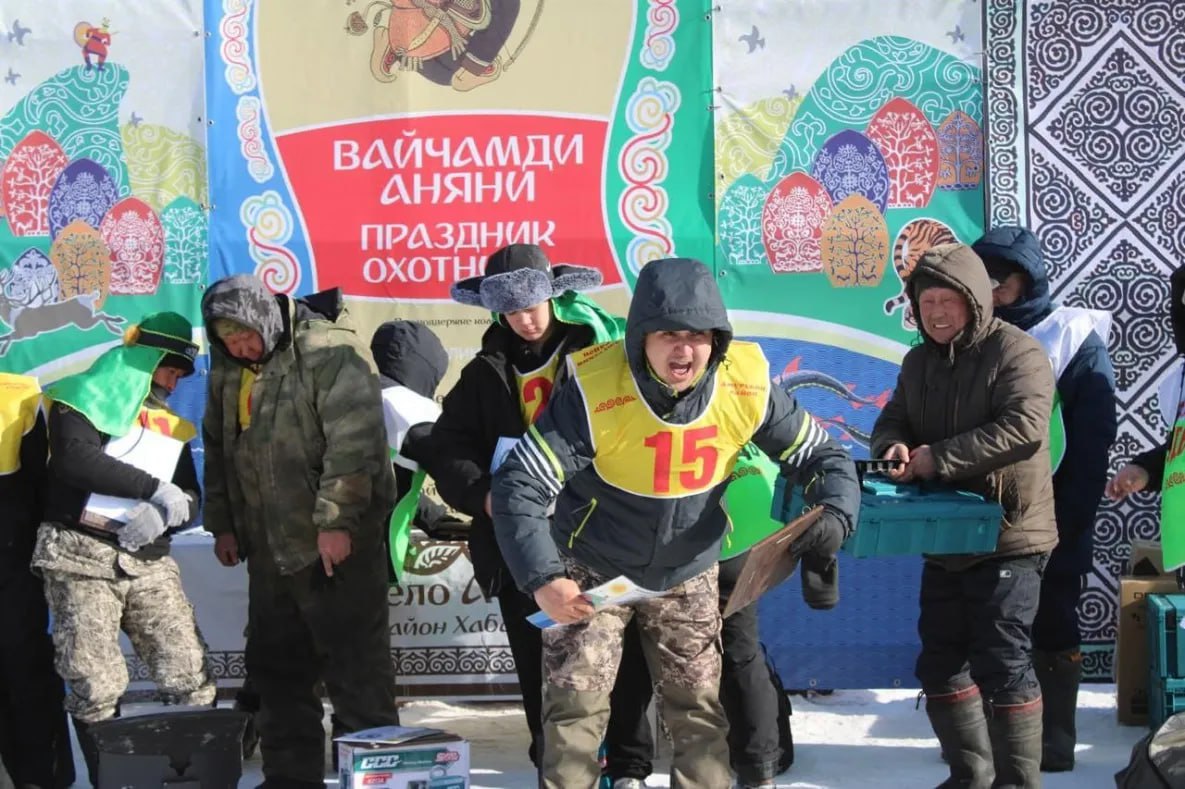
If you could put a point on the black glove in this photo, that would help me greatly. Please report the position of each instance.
(822, 539)
(818, 566)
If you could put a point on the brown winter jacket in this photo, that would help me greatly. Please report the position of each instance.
(982, 403)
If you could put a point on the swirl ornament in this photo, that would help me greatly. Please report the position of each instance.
(269, 224)
(234, 29)
(1121, 126)
(643, 164)
(658, 43)
(249, 112)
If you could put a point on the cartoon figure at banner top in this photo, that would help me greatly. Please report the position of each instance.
(94, 41)
(451, 42)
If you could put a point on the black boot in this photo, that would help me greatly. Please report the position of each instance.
(90, 750)
(247, 701)
(962, 730)
(1016, 743)
(1060, 673)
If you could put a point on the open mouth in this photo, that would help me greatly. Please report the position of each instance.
(680, 371)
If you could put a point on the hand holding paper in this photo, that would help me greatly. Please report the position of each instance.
(174, 502)
(145, 524)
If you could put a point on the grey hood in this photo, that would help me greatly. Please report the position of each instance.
(244, 299)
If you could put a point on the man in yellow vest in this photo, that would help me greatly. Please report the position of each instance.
(34, 735)
(635, 450)
(101, 578)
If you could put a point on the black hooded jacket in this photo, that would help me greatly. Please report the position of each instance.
(1087, 390)
(479, 410)
(656, 542)
(22, 497)
(409, 354)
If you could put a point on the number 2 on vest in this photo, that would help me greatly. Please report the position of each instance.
(692, 454)
(537, 389)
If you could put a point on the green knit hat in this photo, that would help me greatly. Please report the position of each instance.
(109, 394)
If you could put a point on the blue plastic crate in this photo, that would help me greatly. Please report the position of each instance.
(1166, 614)
(904, 520)
(1166, 697)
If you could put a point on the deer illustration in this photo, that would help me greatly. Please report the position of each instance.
(27, 322)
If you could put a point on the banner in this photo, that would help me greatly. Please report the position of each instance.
(1086, 147)
(102, 176)
(387, 149)
(848, 141)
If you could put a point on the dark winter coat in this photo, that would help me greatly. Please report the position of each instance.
(982, 403)
(79, 466)
(656, 542)
(1087, 390)
(480, 409)
(409, 354)
(22, 499)
(315, 456)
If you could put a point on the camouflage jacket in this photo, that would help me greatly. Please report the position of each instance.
(315, 455)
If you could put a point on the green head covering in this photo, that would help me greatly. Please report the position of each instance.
(109, 394)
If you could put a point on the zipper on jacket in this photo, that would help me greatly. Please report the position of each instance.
(592, 505)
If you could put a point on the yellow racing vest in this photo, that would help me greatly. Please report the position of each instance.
(165, 422)
(246, 386)
(534, 388)
(20, 398)
(637, 451)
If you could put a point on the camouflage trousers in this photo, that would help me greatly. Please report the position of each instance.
(680, 635)
(88, 614)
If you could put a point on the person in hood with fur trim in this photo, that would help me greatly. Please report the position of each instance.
(1082, 428)
(540, 317)
(299, 483)
(635, 450)
(411, 361)
(971, 410)
(103, 576)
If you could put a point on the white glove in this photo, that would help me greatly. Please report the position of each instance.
(145, 523)
(174, 502)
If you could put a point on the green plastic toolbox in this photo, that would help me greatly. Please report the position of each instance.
(904, 520)
(1166, 615)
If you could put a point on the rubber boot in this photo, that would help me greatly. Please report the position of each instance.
(1016, 743)
(958, 721)
(90, 750)
(1060, 673)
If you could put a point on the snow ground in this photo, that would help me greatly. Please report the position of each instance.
(852, 738)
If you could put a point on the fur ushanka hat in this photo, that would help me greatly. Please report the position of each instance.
(520, 276)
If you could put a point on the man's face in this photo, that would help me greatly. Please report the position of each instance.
(531, 324)
(167, 377)
(1010, 290)
(944, 313)
(679, 357)
(246, 345)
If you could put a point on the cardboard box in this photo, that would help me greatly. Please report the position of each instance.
(397, 757)
(1131, 646)
(1146, 560)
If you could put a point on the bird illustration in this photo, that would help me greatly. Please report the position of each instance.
(12, 76)
(135, 119)
(791, 93)
(956, 35)
(754, 40)
(18, 33)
